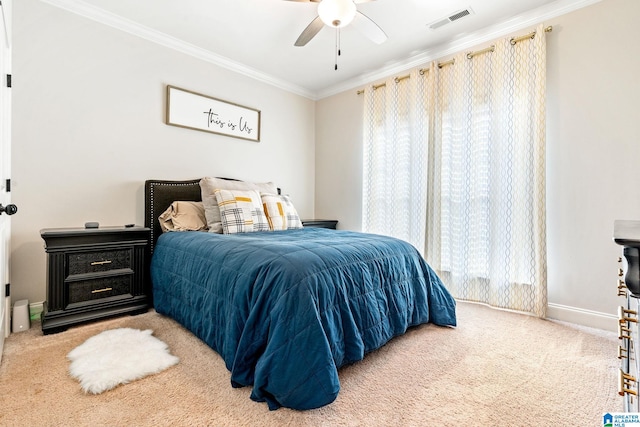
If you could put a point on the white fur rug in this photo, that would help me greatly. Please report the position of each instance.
(118, 356)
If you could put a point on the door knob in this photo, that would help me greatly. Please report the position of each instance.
(9, 209)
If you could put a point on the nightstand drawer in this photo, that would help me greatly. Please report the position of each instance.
(98, 261)
(96, 290)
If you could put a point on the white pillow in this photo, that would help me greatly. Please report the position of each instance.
(241, 211)
(209, 185)
(280, 212)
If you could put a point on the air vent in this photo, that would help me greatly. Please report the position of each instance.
(453, 17)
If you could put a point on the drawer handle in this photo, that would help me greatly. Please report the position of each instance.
(624, 386)
(100, 262)
(97, 291)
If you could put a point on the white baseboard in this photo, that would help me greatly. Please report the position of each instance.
(580, 316)
(563, 313)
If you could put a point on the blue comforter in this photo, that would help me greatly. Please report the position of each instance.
(286, 309)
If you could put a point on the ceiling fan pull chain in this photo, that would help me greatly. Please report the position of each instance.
(337, 51)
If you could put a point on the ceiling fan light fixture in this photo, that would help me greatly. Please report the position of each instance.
(337, 13)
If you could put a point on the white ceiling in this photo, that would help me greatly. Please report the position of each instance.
(256, 37)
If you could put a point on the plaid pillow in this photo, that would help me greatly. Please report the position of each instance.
(209, 185)
(241, 211)
(281, 213)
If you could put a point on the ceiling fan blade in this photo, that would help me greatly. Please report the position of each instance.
(370, 29)
(310, 32)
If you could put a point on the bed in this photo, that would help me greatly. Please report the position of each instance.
(286, 309)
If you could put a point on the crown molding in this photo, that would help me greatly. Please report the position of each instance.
(525, 20)
(517, 23)
(115, 21)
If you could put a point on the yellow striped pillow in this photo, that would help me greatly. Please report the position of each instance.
(280, 212)
(241, 211)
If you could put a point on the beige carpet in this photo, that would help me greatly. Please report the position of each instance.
(496, 368)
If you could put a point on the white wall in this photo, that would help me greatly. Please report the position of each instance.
(339, 159)
(88, 129)
(593, 156)
(593, 151)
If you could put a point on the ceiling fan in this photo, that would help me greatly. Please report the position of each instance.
(338, 14)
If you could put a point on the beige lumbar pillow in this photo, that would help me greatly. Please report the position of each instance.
(183, 216)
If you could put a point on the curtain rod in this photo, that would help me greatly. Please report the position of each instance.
(531, 35)
(470, 55)
(491, 48)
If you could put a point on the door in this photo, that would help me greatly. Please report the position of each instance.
(6, 208)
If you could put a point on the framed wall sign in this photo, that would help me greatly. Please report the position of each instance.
(192, 110)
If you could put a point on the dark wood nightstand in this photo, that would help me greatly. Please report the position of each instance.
(94, 273)
(320, 223)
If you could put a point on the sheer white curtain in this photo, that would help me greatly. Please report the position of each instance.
(483, 136)
(394, 164)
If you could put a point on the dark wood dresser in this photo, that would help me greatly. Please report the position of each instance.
(627, 235)
(94, 273)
